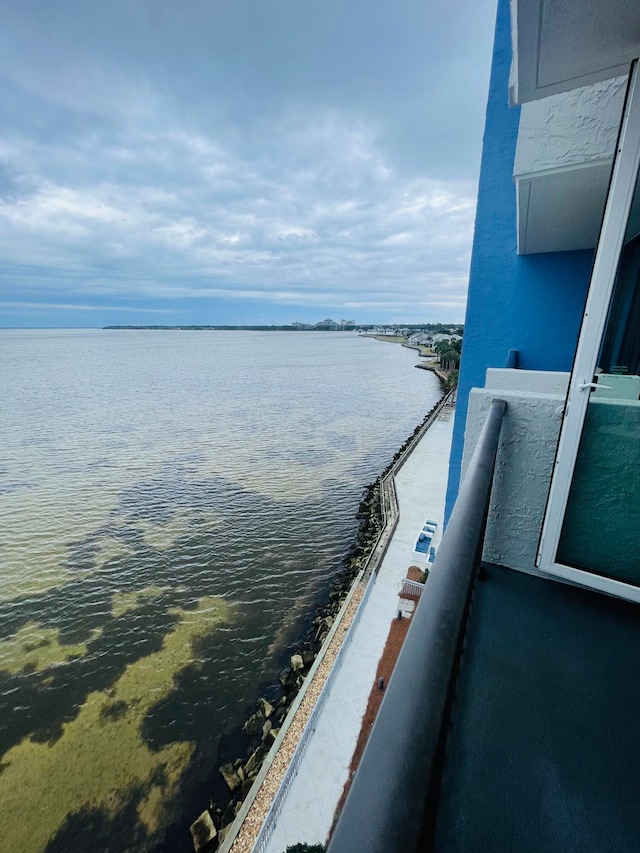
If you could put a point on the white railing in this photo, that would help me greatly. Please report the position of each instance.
(410, 587)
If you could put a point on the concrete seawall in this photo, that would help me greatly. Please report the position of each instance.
(261, 810)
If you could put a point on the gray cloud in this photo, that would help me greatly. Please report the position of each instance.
(287, 154)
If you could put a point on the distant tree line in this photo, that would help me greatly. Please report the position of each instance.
(198, 328)
(325, 326)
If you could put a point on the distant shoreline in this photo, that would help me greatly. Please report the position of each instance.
(425, 352)
(285, 327)
(191, 328)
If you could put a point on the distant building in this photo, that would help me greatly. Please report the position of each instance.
(420, 339)
(436, 339)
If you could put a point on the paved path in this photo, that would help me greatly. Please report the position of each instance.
(307, 812)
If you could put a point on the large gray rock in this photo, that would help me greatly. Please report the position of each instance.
(266, 707)
(253, 763)
(229, 814)
(270, 738)
(254, 724)
(203, 831)
(321, 633)
(285, 677)
(230, 776)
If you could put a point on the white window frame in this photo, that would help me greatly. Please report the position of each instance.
(623, 181)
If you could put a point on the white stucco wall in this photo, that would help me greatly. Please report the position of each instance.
(571, 129)
(562, 166)
(525, 459)
(535, 381)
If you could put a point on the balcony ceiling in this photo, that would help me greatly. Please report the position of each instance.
(560, 45)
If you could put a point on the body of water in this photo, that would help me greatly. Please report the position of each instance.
(174, 505)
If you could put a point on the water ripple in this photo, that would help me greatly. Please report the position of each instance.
(144, 472)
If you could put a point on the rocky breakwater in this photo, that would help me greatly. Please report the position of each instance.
(407, 445)
(263, 725)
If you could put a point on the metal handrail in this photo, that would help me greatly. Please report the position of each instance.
(391, 805)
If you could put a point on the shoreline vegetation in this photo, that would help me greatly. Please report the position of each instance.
(291, 327)
(443, 361)
(262, 727)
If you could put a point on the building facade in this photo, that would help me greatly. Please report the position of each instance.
(510, 721)
(547, 178)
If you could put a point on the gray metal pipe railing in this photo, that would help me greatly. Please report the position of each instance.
(391, 805)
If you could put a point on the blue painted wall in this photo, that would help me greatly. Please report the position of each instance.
(533, 304)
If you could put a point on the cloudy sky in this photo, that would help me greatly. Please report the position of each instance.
(239, 161)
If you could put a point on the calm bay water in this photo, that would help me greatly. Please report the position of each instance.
(173, 507)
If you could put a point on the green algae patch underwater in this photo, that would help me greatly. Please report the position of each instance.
(111, 549)
(100, 758)
(126, 602)
(46, 569)
(35, 648)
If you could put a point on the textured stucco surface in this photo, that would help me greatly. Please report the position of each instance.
(538, 381)
(524, 464)
(532, 303)
(605, 493)
(571, 129)
(562, 166)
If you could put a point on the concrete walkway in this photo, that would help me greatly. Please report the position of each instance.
(307, 812)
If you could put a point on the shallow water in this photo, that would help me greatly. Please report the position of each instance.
(173, 506)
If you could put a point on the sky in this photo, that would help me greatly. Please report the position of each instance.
(239, 161)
